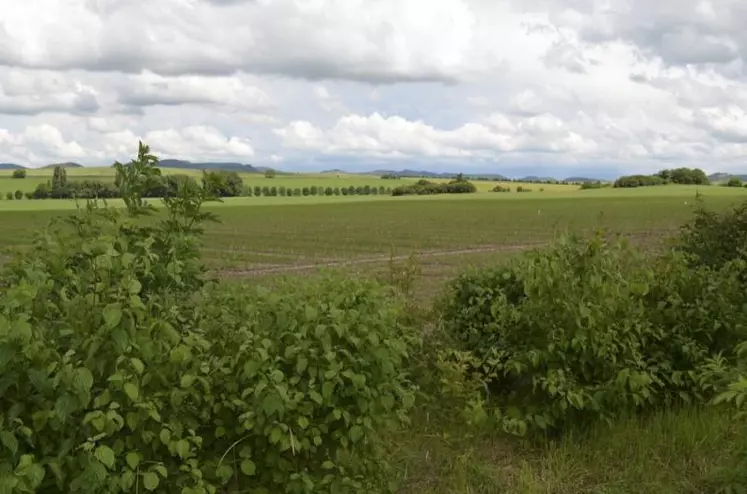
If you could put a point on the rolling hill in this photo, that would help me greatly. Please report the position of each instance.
(11, 166)
(237, 167)
(63, 165)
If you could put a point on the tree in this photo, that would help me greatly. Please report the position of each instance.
(59, 177)
(9, 195)
(223, 183)
(20, 173)
(270, 173)
(19, 194)
(734, 182)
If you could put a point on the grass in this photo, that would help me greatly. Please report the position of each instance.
(677, 451)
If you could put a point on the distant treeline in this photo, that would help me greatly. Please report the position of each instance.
(221, 183)
(424, 187)
(685, 176)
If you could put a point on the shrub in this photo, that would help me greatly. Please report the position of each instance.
(120, 374)
(314, 190)
(18, 194)
(9, 195)
(257, 190)
(297, 192)
(344, 191)
(382, 190)
(337, 191)
(500, 188)
(328, 191)
(375, 191)
(734, 182)
(281, 191)
(523, 189)
(266, 191)
(713, 238)
(351, 190)
(19, 173)
(588, 184)
(306, 191)
(593, 330)
(367, 190)
(270, 173)
(288, 192)
(273, 191)
(223, 183)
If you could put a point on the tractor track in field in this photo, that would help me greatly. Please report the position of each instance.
(290, 268)
(341, 263)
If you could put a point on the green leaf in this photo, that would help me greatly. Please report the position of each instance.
(150, 481)
(112, 315)
(328, 465)
(275, 435)
(182, 448)
(83, 381)
(133, 460)
(316, 397)
(132, 391)
(224, 473)
(187, 381)
(8, 439)
(138, 365)
(301, 365)
(356, 433)
(303, 422)
(161, 471)
(248, 467)
(105, 455)
(165, 436)
(134, 287)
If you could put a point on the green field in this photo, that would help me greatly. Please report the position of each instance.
(262, 240)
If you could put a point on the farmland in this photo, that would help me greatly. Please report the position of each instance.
(152, 340)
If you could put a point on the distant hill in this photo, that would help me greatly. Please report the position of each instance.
(11, 166)
(410, 173)
(335, 171)
(63, 165)
(237, 167)
(534, 178)
(583, 179)
(724, 177)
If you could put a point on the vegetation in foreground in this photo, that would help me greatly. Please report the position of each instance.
(122, 369)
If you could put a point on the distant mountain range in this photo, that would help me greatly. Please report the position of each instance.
(188, 165)
(63, 165)
(10, 166)
(724, 177)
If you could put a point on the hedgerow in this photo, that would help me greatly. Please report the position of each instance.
(123, 370)
(593, 329)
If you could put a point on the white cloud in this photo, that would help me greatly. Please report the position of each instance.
(563, 85)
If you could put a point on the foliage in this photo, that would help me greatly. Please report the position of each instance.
(425, 187)
(18, 194)
(638, 181)
(684, 176)
(9, 195)
(591, 329)
(223, 183)
(714, 238)
(523, 189)
(501, 188)
(390, 176)
(734, 182)
(588, 184)
(270, 173)
(120, 371)
(19, 173)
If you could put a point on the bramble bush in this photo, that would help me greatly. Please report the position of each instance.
(594, 329)
(123, 370)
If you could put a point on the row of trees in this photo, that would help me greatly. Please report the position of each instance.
(684, 176)
(219, 183)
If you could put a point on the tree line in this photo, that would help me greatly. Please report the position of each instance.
(684, 176)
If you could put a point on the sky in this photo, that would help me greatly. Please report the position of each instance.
(522, 87)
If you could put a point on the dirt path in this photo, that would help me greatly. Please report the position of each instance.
(290, 268)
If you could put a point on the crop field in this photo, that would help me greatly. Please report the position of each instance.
(285, 236)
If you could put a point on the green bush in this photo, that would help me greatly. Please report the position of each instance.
(297, 192)
(500, 188)
(121, 371)
(257, 191)
(9, 195)
(18, 194)
(715, 238)
(594, 330)
(306, 191)
(19, 173)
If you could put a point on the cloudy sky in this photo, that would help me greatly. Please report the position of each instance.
(550, 87)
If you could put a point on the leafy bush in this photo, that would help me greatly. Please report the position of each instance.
(713, 238)
(19, 173)
(344, 191)
(425, 187)
(734, 182)
(337, 191)
(9, 195)
(588, 184)
(18, 194)
(273, 191)
(523, 189)
(266, 191)
(500, 188)
(257, 190)
(594, 330)
(328, 191)
(306, 191)
(223, 183)
(120, 371)
(270, 173)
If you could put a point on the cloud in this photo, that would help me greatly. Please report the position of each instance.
(542, 85)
